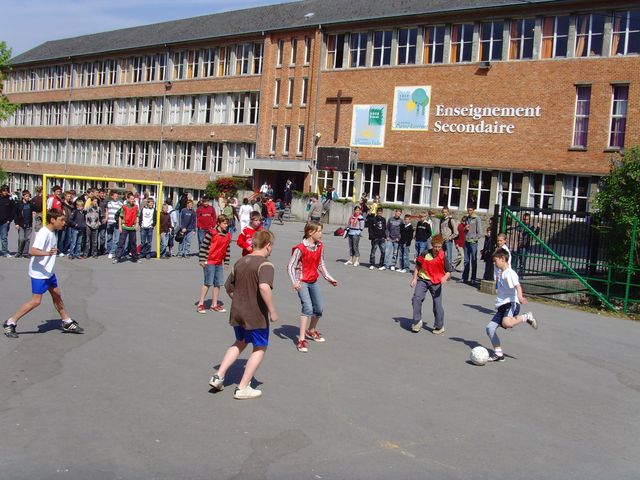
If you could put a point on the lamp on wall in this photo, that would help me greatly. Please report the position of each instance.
(168, 85)
(485, 65)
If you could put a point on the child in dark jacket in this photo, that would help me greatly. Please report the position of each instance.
(406, 235)
(77, 226)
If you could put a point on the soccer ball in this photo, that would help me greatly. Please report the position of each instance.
(479, 356)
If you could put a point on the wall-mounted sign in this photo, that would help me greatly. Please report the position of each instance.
(367, 125)
(411, 108)
(480, 119)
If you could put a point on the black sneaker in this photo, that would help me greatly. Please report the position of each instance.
(72, 327)
(496, 358)
(9, 330)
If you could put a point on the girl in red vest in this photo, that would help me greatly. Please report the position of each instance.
(432, 270)
(306, 261)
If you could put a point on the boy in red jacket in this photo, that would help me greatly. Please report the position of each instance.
(205, 219)
(245, 239)
(214, 251)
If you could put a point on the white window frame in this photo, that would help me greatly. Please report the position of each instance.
(290, 88)
(542, 198)
(300, 144)
(274, 139)
(590, 37)
(625, 32)
(422, 181)
(410, 45)
(358, 49)
(571, 198)
(481, 191)
(450, 187)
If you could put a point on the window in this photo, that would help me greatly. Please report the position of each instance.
(589, 35)
(221, 53)
(521, 39)
(541, 188)
(395, 183)
(274, 138)
(509, 188)
(371, 179)
(216, 157)
(179, 59)
(449, 191)
(555, 35)
(479, 189)
(433, 44)
(325, 180)
(305, 87)
(280, 52)
(287, 138)
(382, 48)
(618, 116)
(358, 50)
(242, 58)
(421, 186)
(407, 40)
(300, 148)
(581, 122)
(307, 50)
(461, 42)
(138, 67)
(626, 33)
(233, 158)
(491, 41)
(276, 94)
(238, 108)
(290, 92)
(170, 156)
(174, 110)
(258, 49)
(220, 109)
(346, 184)
(575, 193)
(254, 107)
(335, 51)
(209, 63)
(294, 50)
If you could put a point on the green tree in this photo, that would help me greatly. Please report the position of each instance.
(618, 205)
(6, 108)
(3, 176)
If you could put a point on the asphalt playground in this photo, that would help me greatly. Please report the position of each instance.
(129, 399)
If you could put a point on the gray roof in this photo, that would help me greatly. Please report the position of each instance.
(250, 21)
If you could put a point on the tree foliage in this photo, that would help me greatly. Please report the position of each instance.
(6, 108)
(227, 185)
(618, 205)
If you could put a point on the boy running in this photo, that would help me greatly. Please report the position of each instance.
(43, 259)
(509, 296)
(245, 239)
(214, 250)
(252, 308)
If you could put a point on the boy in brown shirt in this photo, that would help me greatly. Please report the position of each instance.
(252, 308)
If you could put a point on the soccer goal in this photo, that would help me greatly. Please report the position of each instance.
(108, 184)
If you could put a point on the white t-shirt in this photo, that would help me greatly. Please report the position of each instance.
(506, 287)
(42, 267)
(147, 217)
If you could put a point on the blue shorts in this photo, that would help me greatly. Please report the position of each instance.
(510, 309)
(259, 337)
(213, 275)
(40, 286)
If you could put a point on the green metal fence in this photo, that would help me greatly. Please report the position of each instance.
(568, 254)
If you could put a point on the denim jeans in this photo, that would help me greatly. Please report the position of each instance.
(391, 253)
(102, 239)
(146, 236)
(403, 253)
(91, 245)
(113, 235)
(309, 295)
(354, 245)
(201, 233)
(420, 247)
(4, 238)
(470, 257)
(450, 250)
(24, 236)
(75, 242)
(375, 244)
(164, 244)
(267, 223)
(185, 247)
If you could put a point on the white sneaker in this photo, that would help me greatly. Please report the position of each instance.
(393, 268)
(372, 267)
(8, 255)
(382, 268)
(217, 382)
(416, 327)
(110, 255)
(356, 264)
(530, 320)
(348, 262)
(246, 393)
(404, 270)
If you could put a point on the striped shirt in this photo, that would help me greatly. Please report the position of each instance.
(112, 209)
(294, 268)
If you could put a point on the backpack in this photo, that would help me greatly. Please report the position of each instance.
(339, 232)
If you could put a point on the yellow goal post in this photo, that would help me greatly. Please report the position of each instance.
(106, 180)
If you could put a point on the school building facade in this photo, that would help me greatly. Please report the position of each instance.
(472, 103)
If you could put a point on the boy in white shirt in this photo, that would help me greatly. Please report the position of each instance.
(509, 296)
(43, 258)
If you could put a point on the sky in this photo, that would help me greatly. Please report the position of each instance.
(25, 24)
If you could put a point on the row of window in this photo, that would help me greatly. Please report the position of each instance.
(181, 156)
(617, 125)
(215, 109)
(294, 50)
(240, 59)
(414, 185)
(286, 140)
(560, 36)
(304, 92)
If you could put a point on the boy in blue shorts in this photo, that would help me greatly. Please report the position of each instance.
(252, 308)
(43, 258)
(509, 296)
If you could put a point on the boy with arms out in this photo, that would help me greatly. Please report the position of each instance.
(509, 296)
(252, 308)
(214, 250)
(432, 270)
(43, 259)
